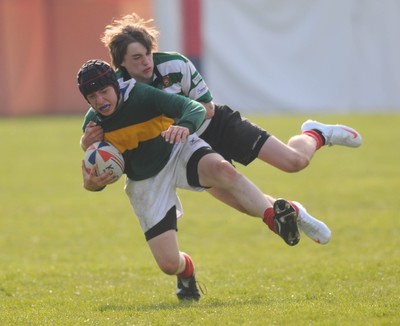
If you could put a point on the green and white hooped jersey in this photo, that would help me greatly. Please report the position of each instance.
(174, 73)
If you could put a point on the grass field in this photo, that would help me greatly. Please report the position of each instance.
(71, 257)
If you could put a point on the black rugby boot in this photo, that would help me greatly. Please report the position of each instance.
(285, 220)
(186, 289)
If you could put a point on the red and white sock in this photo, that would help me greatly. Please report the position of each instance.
(317, 136)
(269, 218)
(189, 267)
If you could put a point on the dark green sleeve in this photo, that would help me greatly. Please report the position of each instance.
(188, 113)
(90, 116)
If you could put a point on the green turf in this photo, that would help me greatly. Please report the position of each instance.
(71, 257)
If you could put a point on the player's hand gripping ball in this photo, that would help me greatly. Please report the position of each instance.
(107, 157)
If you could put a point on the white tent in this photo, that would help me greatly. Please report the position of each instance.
(306, 56)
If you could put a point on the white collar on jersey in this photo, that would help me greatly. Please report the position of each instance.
(126, 87)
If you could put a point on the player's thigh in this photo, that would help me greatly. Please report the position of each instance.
(278, 154)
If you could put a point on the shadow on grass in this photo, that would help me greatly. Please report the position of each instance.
(181, 305)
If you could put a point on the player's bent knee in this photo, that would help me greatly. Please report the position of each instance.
(225, 172)
(299, 163)
(217, 172)
(293, 163)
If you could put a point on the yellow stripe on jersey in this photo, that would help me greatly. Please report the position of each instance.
(129, 137)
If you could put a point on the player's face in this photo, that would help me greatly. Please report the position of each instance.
(104, 100)
(138, 62)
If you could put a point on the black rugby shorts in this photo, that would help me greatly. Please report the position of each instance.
(234, 137)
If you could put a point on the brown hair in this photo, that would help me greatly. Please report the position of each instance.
(122, 32)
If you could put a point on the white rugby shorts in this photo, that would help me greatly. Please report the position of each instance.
(152, 198)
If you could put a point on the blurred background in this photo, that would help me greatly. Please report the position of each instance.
(258, 56)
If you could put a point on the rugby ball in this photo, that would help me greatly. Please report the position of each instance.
(107, 157)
